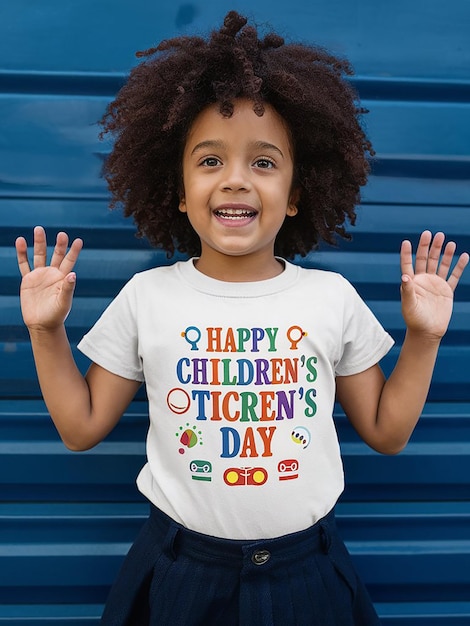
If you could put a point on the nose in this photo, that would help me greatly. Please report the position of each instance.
(236, 178)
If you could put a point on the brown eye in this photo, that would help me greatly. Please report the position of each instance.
(264, 164)
(210, 162)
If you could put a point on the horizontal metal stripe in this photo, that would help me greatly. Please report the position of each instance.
(434, 612)
(80, 613)
(385, 219)
(400, 88)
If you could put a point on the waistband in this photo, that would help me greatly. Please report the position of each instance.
(177, 539)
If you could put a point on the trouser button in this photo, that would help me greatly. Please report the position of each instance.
(260, 557)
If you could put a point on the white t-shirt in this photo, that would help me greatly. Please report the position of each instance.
(240, 379)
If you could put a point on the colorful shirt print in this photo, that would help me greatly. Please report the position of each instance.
(241, 384)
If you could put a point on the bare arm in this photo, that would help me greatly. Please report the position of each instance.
(385, 412)
(84, 409)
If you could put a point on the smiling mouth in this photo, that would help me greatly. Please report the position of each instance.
(235, 214)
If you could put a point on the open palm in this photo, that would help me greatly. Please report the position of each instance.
(47, 290)
(428, 287)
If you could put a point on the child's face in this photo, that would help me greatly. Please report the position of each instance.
(237, 176)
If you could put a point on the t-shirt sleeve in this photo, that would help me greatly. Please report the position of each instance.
(113, 341)
(365, 341)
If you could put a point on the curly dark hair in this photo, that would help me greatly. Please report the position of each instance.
(151, 116)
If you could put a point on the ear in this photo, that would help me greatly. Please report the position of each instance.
(292, 206)
(182, 205)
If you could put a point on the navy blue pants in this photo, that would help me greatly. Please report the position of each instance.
(176, 577)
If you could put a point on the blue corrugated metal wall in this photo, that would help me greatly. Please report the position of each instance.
(67, 519)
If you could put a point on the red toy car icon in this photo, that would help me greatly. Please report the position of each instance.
(234, 476)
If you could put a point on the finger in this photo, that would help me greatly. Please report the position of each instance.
(68, 286)
(60, 249)
(40, 247)
(66, 292)
(458, 270)
(406, 258)
(447, 259)
(408, 295)
(435, 253)
(407, 289)
(70, 259)
(422, 252)
(22, 256)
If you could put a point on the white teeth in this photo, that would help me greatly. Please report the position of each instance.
(235, 214)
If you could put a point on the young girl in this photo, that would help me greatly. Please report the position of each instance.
(240, 152)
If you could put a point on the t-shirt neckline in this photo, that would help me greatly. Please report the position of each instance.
(206, 284)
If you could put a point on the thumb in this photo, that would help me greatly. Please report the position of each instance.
(69, 282)
(407, 289)
(67, 291)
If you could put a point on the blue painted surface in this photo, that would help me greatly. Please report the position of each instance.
(66, 519)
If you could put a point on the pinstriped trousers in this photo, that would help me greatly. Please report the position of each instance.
(176, 577)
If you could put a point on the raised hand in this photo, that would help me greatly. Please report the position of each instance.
(47, 290)
(427, 289)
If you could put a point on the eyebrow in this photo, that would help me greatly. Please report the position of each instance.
(209, 143)
(219, 144)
